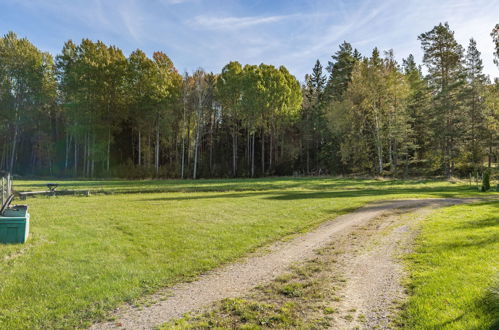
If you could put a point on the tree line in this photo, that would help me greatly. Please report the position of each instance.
(94, 112)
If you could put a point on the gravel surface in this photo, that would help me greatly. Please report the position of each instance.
(372, 274)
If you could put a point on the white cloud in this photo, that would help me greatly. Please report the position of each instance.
(226, 23)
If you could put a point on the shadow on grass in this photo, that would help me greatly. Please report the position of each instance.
(221, 185)
(465, 244)
(488, 305)
(287, 195)
(488, 222)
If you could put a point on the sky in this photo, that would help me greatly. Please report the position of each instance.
(210, 33)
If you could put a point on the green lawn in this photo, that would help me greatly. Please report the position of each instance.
(263, 184)
(454, 275)
(86, 255)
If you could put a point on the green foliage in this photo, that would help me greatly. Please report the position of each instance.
(95, 113)
(313, 125)
(486, 181)
(340, 70)
(443, 56)
(27, 101)
(495, 37)
(376, 116)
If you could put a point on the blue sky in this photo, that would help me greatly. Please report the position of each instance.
(210, 33)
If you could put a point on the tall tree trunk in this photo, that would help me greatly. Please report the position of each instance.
(140, 148)
(66, 156)
(253, 155)
(89, 155)
(189, 146)
(379, 146)
(196, 147)
(491, 141)
(234, 153)
(308, 161)
(212, 120)
(13, 151)
(263, 153)
(380, 159)
(87, 173)
(108, 149)
(390, 155)
(75, 158)
(248, 150)
(271, 147)
(92, 172)
(156, 157)
(183, 158)
(406, 169)
(85, 158)
(2, 160)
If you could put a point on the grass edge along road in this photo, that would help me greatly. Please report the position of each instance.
(454, 281)
(86, 256)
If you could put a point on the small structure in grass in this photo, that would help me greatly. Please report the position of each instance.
(14, 220)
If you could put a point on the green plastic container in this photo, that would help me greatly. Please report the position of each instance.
(14, 225)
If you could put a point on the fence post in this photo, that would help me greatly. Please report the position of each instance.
(3, 189)
(9, 185)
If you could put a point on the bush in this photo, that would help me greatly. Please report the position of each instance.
(486, 181)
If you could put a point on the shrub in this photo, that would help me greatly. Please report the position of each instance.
(486, 181)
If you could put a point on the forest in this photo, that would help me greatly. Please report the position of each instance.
(94, 112)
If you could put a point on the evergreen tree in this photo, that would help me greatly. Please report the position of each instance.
(474, 104)
(491, 118)
(312, 118)
(495, 39)
(340, 70)
(418, 109)
(443, 57)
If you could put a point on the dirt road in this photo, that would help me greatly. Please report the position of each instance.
(372, 275)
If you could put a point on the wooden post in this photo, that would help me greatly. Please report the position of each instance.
(3, 189)
(9, 185)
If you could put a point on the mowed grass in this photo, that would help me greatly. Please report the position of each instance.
(454, 275)
(339, 185)
(87, 255)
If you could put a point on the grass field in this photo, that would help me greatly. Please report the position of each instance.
(87, 255)
(454, 275)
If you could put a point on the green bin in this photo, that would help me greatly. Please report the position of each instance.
(14, 224)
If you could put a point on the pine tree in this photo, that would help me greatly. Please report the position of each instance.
(443, 57)
(312, 121)
(495, 39)
(418, 109)
(491, 118)
(340, 70)
(474, 104)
